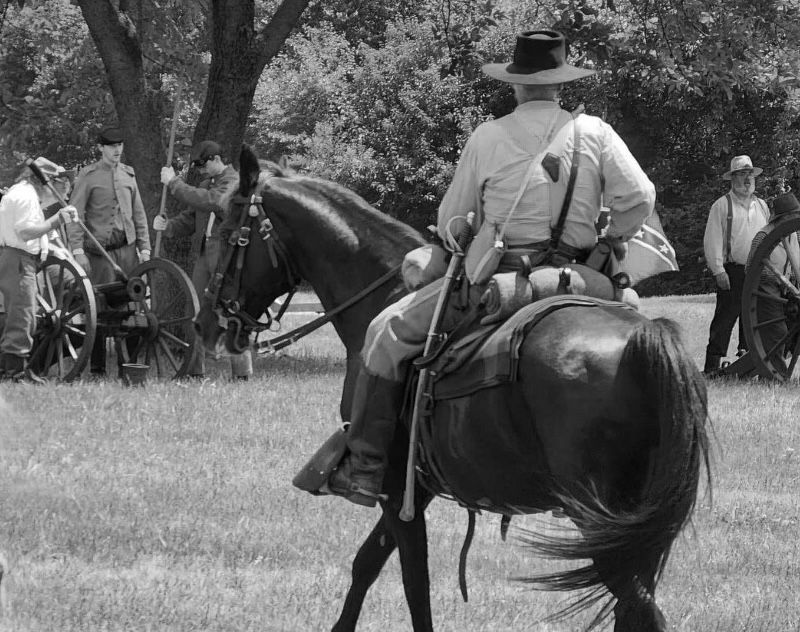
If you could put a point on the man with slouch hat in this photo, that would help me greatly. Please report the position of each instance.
(733, 221)
(109, 204)
(24, 237)
(513, 172)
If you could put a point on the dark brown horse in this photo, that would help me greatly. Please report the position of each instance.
(606, 420)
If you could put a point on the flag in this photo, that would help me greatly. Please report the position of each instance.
(649, 252)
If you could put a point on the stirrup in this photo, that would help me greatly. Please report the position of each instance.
(352, 491)
(314, 474)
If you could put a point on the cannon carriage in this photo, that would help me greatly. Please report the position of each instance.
(145, 318)
(771, 304)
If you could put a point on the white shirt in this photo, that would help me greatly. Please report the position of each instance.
(748, 219)
(497, 156)
(20, 208)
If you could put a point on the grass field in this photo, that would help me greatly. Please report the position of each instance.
(171, 508)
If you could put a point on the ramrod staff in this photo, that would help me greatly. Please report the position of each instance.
(434, 331)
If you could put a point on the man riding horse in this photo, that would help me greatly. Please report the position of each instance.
(515, 174)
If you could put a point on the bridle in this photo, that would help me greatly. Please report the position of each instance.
(230, 312)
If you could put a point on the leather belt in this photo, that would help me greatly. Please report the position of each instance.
(19, 251)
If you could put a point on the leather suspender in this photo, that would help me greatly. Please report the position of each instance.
(728, 229)
(729, 226)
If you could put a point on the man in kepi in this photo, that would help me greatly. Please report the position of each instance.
(109, 204)
(525, 156)
(733, 221)
(206, 208)
(23, 239)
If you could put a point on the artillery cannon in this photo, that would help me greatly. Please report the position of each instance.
(771, 304)
(147, 318)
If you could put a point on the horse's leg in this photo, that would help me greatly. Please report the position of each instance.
(636, 609)
(367, 565)
(412, 547)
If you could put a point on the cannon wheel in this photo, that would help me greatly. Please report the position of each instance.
(66, 319)
(166, 342)
(774, 307)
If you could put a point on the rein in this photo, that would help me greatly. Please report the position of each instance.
(284, 340)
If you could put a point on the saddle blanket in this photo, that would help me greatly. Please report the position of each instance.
(489, 355)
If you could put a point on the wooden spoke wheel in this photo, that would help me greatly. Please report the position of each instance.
(160, 333)
(771, 301)
(66, 319)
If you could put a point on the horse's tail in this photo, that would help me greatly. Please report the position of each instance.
(634, 543)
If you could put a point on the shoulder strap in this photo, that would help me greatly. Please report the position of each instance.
(555, 236)
(524, 184)
(728, 228)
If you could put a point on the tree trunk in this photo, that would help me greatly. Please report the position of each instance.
(238, 56)
(138, 110)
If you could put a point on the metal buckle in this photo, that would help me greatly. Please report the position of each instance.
(244, 236)
(265, 229)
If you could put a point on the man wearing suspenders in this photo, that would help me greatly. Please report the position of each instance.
(733, 221)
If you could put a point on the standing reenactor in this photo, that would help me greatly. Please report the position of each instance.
(733, 221)
(207, 206)
(109, 203)
(23, 239)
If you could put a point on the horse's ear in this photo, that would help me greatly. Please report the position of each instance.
(248, 171)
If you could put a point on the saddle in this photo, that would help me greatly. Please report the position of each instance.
(489, 355)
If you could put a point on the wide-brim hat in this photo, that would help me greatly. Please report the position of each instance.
(49, 168)
(540, 58)
(785, 203)
(741, 163)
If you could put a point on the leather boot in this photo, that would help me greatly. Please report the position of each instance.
(376, 407)
(712, 364)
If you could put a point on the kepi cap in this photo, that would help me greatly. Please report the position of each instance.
(111, 136)
(204, 150)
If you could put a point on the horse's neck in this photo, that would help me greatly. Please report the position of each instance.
(339, 278)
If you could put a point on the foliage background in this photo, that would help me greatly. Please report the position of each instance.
(380, 98)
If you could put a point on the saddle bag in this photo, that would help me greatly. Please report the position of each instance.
(423, 265)
(508, 292)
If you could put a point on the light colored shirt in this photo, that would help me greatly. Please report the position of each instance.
(497, 156)
(748, 219)
(19, 209)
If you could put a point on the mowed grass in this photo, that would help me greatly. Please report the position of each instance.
(170, 507)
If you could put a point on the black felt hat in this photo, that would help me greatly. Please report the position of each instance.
(785, 203)
(540, 58)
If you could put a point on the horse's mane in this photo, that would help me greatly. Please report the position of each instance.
(343, 210)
